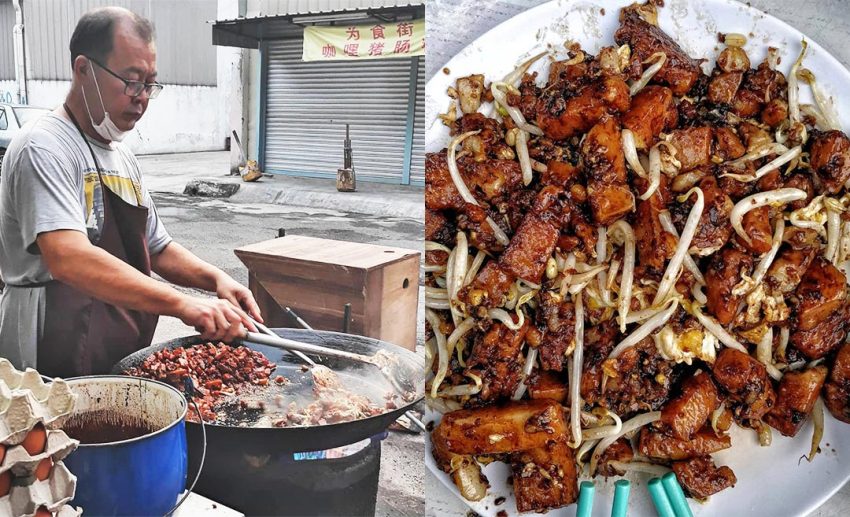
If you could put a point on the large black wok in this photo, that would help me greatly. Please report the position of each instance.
(408, 372)
(246, 467)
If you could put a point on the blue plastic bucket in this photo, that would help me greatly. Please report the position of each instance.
(137, 476)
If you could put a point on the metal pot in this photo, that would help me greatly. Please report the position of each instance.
(136, 476)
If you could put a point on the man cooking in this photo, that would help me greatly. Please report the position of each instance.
(79, 233)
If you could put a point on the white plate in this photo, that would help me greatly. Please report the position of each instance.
(772, 481)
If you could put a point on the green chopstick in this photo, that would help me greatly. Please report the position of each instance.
(621, 498)
(659, 498)
(676, 495)
(585, 499)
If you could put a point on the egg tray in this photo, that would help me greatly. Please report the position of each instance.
(52, 493)
(25, 400)
(23, 464)
(65, 511)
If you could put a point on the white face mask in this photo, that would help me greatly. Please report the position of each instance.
(106, 129)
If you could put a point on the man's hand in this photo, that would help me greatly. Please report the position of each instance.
(240, 296)
(178, 265)
(216, 320)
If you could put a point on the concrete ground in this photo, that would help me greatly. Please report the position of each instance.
(172, 172)
(212, 228)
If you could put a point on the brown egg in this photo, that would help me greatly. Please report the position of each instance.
(43, 469)
(2, 453)
(36, 440)
(43, 512)
(5, 483)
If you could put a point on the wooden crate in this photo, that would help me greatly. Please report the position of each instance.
(317, 277)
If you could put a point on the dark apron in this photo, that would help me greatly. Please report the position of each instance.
(83, 335)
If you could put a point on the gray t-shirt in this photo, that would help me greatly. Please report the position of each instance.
(49, 182)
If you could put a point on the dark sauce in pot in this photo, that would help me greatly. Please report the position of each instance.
(105, 426)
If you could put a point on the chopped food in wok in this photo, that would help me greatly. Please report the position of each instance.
(215, 370)
(624, 256)
(222, 374)
(334, 403)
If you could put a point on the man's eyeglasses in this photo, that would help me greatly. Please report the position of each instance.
(133, 88)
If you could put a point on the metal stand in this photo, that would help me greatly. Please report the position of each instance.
(346, 180)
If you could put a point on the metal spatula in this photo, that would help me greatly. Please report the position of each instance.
(377, 360)
(268, 337)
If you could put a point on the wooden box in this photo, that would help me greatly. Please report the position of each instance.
(317, 277)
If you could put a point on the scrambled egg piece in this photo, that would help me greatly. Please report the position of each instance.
(683, 348)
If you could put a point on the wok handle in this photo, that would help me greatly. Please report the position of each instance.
(307, 348)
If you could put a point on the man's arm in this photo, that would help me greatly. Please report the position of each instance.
(73, 260)
(182, 267)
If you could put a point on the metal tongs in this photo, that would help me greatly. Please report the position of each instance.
(270, 338)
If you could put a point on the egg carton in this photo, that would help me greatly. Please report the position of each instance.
(65, 511)
(53, 493)
(25, 400)
(23, 464)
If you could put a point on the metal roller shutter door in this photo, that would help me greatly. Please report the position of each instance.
(417, 160)
(308, 105)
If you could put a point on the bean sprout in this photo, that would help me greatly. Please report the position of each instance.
(442, 352)
(569, 266)
(627, 140)
(833, 228)
(627, 234)
(780, 160)
(748, 285)
(628, 426)
(817, 419)
(672, 271)
(524, 159)
(825, 105)
(463, 390)
(506, 318)
(639, 466)
(793, 87)
(455, 281)
(667, 225)
(605, 430)
(715, 418)
(575, 377)
(660, 58)
(462, 188)
(474, 267)
(654, 172)
(530, 359)
(764, 353)
(760, 152)
(717, 330)
(518, 72)
(770, 198)
(601, 257)
(499, 96)
(659, 319)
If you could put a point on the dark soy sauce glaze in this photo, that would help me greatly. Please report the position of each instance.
(105, 426)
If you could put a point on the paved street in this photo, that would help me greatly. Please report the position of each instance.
(212, 228)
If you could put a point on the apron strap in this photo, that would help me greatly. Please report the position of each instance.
(33, 285)
(30, 285)
(86, 140)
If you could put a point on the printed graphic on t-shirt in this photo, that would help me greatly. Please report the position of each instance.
(128, 189)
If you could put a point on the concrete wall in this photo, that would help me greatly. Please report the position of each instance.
(231, 78)
(185, 117)
(8, 91)
(181, 119)
(7, 52)
(252, 101)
